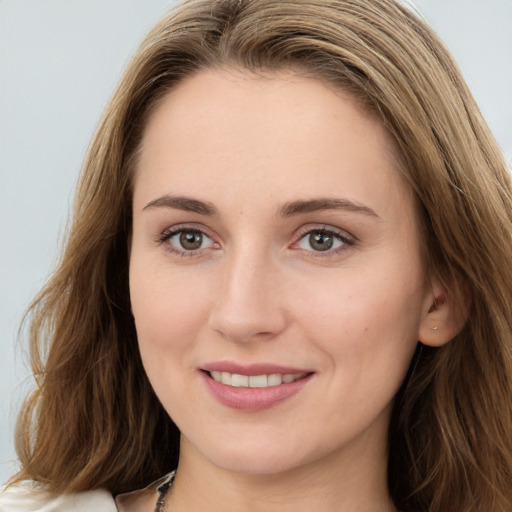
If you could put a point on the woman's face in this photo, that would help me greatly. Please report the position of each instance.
(275, 249)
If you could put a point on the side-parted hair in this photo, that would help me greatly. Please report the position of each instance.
(94, 421)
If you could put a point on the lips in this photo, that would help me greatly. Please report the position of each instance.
(254, 387)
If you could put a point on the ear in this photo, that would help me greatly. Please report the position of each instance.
(443, 316)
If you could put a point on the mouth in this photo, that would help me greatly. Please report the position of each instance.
(254, 387)
(237, 380)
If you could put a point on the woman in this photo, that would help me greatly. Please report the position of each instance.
(281, 200)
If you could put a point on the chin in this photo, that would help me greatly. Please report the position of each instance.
(251, 458)
(255, 465)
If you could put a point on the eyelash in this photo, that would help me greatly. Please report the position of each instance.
(346, 240)
(166, 236)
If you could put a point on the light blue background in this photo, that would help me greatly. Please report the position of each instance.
(59, 63)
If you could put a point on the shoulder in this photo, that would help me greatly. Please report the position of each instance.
(27, 497)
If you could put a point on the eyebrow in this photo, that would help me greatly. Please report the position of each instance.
(289, 209)
(186, 204)
(324, 203)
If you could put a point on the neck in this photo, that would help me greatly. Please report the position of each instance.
(352, 482)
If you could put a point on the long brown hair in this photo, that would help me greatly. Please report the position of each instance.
(93, 420)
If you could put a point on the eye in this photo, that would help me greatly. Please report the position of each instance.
(189, 240)
(186, 240)
(323, 240)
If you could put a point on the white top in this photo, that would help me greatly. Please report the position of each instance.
(27, 496)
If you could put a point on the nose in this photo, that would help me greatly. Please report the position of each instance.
(250, 303)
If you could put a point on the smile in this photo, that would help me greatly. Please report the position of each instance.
(255, 381)
(255, 387)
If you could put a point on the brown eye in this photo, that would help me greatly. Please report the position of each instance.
(186, 241)
(190, 240)
(324, 240)
(320, 241)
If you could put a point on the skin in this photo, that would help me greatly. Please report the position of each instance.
(258, 291)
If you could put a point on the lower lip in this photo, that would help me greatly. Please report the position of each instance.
(253, 399)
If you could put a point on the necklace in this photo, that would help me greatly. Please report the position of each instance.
(163, 489)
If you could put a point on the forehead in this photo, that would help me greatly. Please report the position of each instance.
(278, 133)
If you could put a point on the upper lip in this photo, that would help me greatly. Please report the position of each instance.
(251, 369)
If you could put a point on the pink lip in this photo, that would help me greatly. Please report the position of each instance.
(251, 369)
(252, 399)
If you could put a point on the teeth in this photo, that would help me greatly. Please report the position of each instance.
(274, 379)
(239, 381)
(255, 381)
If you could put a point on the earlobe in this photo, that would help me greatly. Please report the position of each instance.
(444, 318)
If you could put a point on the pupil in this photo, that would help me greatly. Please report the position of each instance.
(320, 241)
(191, 241)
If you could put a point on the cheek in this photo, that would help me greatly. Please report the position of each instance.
(169, 309)
(366, 322)
(168, 317)
(368, 336)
